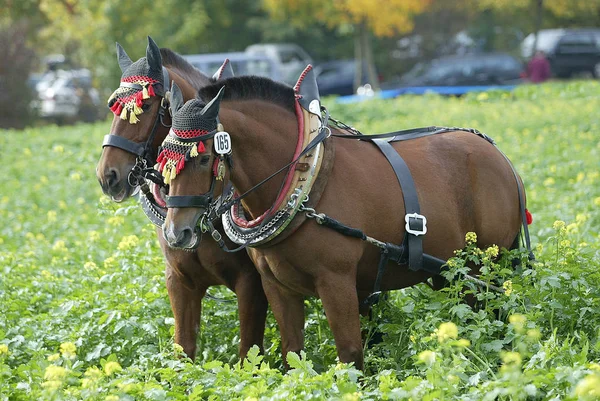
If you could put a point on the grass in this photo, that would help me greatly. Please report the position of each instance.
(84, 312)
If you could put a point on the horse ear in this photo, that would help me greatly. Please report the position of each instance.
(176, 101)
(123, 58)
(224, 72)
(153, 57)
(211, 110)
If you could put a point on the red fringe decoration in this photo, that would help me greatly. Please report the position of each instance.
(119, 110)
(160, 157)
(162, 164)
(201, 147)
(180, 165)
(529, 217)
(139, 99)
(151, 90)
(115, 107)
(215, 166)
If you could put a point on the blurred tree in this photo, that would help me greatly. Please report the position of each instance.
(15, 65)
(361, 17)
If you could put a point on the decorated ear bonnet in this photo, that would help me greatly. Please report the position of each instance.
(193, 123)
(140, 80)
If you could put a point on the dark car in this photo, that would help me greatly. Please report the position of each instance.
(337, 77)
(570, 51)
(467, 70)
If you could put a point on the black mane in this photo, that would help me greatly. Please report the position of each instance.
(251, 87)
(190, 73)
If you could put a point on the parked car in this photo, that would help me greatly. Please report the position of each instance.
(337, 77)
(291, 59)
(242, 64)
(468, 70)
(569, 51)
(67, 96)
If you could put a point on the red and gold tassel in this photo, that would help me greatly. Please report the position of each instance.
(151, 90)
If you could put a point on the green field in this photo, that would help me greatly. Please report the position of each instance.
(84, 312)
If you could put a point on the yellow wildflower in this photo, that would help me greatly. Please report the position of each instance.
(558, 225)
(128, 242)
(518, 321)
(51, 216)
(581, 218)
(112, 367)
(116, 220)
(59, 246)
(463, 343)
(93, 235)
(565, 243)
(75, 176)
(507, 286)
(356, 396)
(471, 237)
(52, 385)
(90, 266)
(588, 387)
(512, 358)
(27, 152)
(447, 331)
(580, 176)
(597, 201)
(548, 182)
(483, 96)
(80, 201)
(492, 251)
(110, 262)
(58, 149)
(111, 398)
(44, 179)
(68, 350)
(53, 357)
(40, 237)
(426, 357)
(54, 372)
(62, 205)
(3, 349)
(534, 334)
(93, 372)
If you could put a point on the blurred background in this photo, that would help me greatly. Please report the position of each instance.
(59, 64)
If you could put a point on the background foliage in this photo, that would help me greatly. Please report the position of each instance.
(84, 312)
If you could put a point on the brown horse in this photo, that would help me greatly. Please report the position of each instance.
(188, 274)
(463, 184)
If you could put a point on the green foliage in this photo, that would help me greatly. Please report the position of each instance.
(84, 312)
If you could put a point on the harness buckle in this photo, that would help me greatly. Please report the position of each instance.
(416, 224)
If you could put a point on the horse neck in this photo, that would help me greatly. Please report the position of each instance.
(263, 137)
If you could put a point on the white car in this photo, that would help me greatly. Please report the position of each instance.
(67, 96)
(291, 59)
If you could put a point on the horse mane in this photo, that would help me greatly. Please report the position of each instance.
(251, 87)
(183, 68)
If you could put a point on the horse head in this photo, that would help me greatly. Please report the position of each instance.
(190, 143)
(141, 118)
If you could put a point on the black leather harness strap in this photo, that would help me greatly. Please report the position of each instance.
(416, 224)
(116, 141)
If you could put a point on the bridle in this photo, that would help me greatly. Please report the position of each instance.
(143, 150)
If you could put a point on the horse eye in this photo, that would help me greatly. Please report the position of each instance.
(204, 160)
(145, 107)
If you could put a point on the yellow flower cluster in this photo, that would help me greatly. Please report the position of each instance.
(128, 242)
(3, 349)
(68, 350)
(507, 286)
(589, 387)
(471, 237)
(51, 216)
(59, 246)
(112, 367)
(55, 373)
(116, 220)
(426, 357)
(447, 331)
(492, 251)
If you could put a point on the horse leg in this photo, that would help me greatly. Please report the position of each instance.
(252, 308)
(340, 301)
(186, 303)
(288, 309)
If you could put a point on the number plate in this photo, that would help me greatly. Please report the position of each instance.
(222, 143)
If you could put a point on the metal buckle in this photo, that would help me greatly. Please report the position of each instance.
(417, 216)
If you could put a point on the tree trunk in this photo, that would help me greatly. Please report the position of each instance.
(539, 11)
(368, 57)
(358, 56)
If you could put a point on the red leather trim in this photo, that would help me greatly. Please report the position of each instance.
(288, 179)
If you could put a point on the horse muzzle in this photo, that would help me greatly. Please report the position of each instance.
(187, 237)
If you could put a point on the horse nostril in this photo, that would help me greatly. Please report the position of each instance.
(112, 177)
(185, 236)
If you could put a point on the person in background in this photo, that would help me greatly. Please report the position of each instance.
(538, 69)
